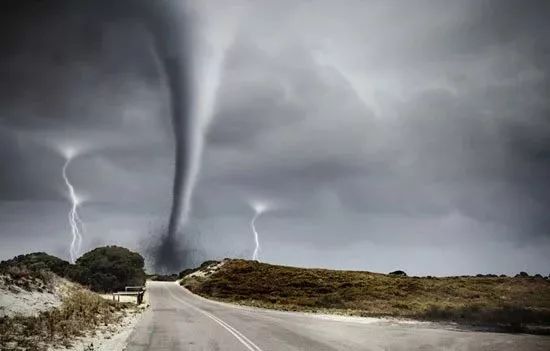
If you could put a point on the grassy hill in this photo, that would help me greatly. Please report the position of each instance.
(505, 301)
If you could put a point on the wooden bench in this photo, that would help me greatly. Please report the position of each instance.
(137, 291)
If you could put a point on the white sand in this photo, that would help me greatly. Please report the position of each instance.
(16, 300)
(109, 338)
(208, 270)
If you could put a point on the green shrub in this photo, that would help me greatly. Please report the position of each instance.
(109, 268)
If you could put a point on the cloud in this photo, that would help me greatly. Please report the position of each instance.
(390, 132)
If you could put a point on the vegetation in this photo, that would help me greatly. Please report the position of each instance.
(203, 266)
(81, 312)
(163, 277)
(110, 268)
(104, 269)
(400, 273)
(509, 302)
(36, 262)
(42, 280)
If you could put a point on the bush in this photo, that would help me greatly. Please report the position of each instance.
(163, 277)
(110, 268)
(399, 273)
(186, 272)
(38, 261)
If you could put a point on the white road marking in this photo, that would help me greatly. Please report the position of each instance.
(237, 334)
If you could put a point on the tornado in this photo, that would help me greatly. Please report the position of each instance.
(192, 94)
(169, 29)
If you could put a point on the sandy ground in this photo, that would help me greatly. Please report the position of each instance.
(207, 270)
(109, 338)
(112, 337)
(16, 300)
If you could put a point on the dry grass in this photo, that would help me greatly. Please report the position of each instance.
(81, 312)
(504, 301)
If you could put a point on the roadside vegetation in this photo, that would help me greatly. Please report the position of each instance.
(162, 277)
(55, 306)
(104, 269)
(511, 303)
(109, 268)
(80, 313)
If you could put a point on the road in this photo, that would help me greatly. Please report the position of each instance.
(179, 320)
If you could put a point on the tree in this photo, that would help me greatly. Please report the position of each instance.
(110, 268)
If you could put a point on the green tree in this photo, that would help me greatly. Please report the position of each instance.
(110, 268)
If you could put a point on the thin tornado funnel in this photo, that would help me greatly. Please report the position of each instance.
(176, 78)
(215, 37)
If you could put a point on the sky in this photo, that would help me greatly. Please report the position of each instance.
(383, 135)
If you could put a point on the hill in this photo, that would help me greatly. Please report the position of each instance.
(38, 261)
(499, 301)
(103, 269)
(40, 310)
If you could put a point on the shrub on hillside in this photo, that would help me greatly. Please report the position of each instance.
(109, 268)
(36, 262)
(399, 273)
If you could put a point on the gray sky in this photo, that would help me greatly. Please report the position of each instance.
(387, 135)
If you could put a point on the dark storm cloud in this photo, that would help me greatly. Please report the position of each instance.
(65, 76)
(85, 75)
(411, 135)
(439, 122)
(55, 52)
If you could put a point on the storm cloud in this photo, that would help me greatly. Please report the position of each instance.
(411, 135)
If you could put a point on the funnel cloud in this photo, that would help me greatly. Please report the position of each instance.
(192, 66)
(171, 46)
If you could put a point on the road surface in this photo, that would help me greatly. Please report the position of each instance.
(179, 320)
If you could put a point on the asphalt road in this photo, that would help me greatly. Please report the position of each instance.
(179, 320)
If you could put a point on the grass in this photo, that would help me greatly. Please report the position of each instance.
(81, 312)
(497, 301)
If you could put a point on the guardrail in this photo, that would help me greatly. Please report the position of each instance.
(137, 291)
